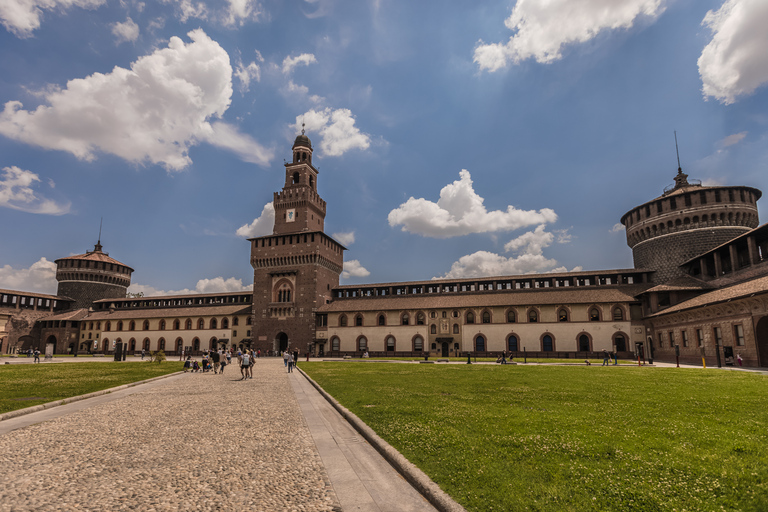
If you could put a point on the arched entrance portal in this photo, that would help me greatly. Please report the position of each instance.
(761, 340)
(282, 341)
(583, 343)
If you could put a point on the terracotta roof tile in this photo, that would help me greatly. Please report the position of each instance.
(737, 291)
(213, 310)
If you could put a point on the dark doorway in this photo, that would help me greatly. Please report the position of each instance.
(282, 341)
(621, 346)
(761, 340)
(445, 349)
(583, 343)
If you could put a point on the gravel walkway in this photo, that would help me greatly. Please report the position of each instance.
(202, 442)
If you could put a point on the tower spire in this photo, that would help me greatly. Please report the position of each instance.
(679, 168)
(681, 180)
(97, 247)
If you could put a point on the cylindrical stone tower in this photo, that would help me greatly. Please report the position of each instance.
(687, 220)
(92, 276)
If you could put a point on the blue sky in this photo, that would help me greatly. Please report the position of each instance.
(452, 138)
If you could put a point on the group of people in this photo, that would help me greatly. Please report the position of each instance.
(215, 360)
(218, 360)
(607, 356)
(503, 357)
(290, 359)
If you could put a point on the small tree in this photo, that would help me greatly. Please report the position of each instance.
(157, 357)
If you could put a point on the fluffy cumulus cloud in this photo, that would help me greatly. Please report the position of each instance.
(215, 285)
(336, 128)
(17, 192)
(153, 112)
(247, 73)
(353, 268)
(261, 225)
(528, 257)
(187, 9)
(40, 277)
(617, 228)
(22, 17)
(460, 211)
(345, 239)
(543, 27)
(735, 62)
(126, 31)
(234, 14)
(291, 62)
(240, 11)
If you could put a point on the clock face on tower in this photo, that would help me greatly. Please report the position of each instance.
(290, 215)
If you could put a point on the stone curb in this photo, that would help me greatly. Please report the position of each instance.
(416, 477)
(42, 407)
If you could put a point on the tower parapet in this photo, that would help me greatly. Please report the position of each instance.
(92, 276)
(687, 220)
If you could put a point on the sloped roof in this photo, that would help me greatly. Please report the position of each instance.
(571, 295)
(95, 255)
(737, 291)
(683, 283)
(165, 312)
(31, 294)
(75, 314)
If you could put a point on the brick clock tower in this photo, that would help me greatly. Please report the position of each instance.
(295, 268)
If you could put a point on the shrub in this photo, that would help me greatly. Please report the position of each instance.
(157, 357)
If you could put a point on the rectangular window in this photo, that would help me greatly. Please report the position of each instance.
(661, 340)
(738, 331)
(718, 336)
(671, 339)
(685, 338)
(700, 337)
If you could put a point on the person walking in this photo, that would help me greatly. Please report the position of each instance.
(37, 356)
(605, 357)
(296, 357)
(143, 352)
(285, 358)
(289, 363)
(245, 364)
(216, 356)
(252, 362)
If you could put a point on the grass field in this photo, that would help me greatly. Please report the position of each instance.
(548, 438)
(25, 385)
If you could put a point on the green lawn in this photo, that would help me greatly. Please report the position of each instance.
(569, 438)
(25, 385)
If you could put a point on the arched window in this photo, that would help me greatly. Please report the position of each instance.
(618, 314)
(594, 315)
(382, 320)
(420, 319)
(132, 325)
(283, 292)
(108, 326)
(359, 321)
(480, 344)
(213, 324)
(533, 316)
(200, 323)
(390, 342)
(342, 320)
(418, 344)
(234, 321)
(188, 324)
(161, 344)
(295, 178)
(248, 321)
(511, 317)
(225, 323)
(433, 329)
(547, 343)
(335, 344)
(486, 317)
(562, 315)
(146, 325)
(120, 325)
(406, 319)
(176, 325)
(362, 344)
(512, 343)
(196, 345)
(145, 344)
(470, 318)
(455, 328)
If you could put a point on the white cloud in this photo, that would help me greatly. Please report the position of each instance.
(345, 239)
(127, 31)
(240, 11)
(617, 228)
(291, 62)
(337, 130)
(215, 285)
(153, 112)
(16, 192)
(226, 136)
(22, 17)
(292, 88)
(543, 27)
(247, 73)
(460, 211)
(353, 268)
(529, 259)
(38, 278)
(735, 62)
(261, 225)
(188, 9)
(732, 140)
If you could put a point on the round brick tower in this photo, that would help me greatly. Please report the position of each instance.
(686, 220)
(92, 276)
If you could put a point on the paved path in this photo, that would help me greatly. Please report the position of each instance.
(198, 442)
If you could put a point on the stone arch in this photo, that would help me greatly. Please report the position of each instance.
(480, 342)
(547, 341)
(513, 342)
(584, 342)
(620, 341)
